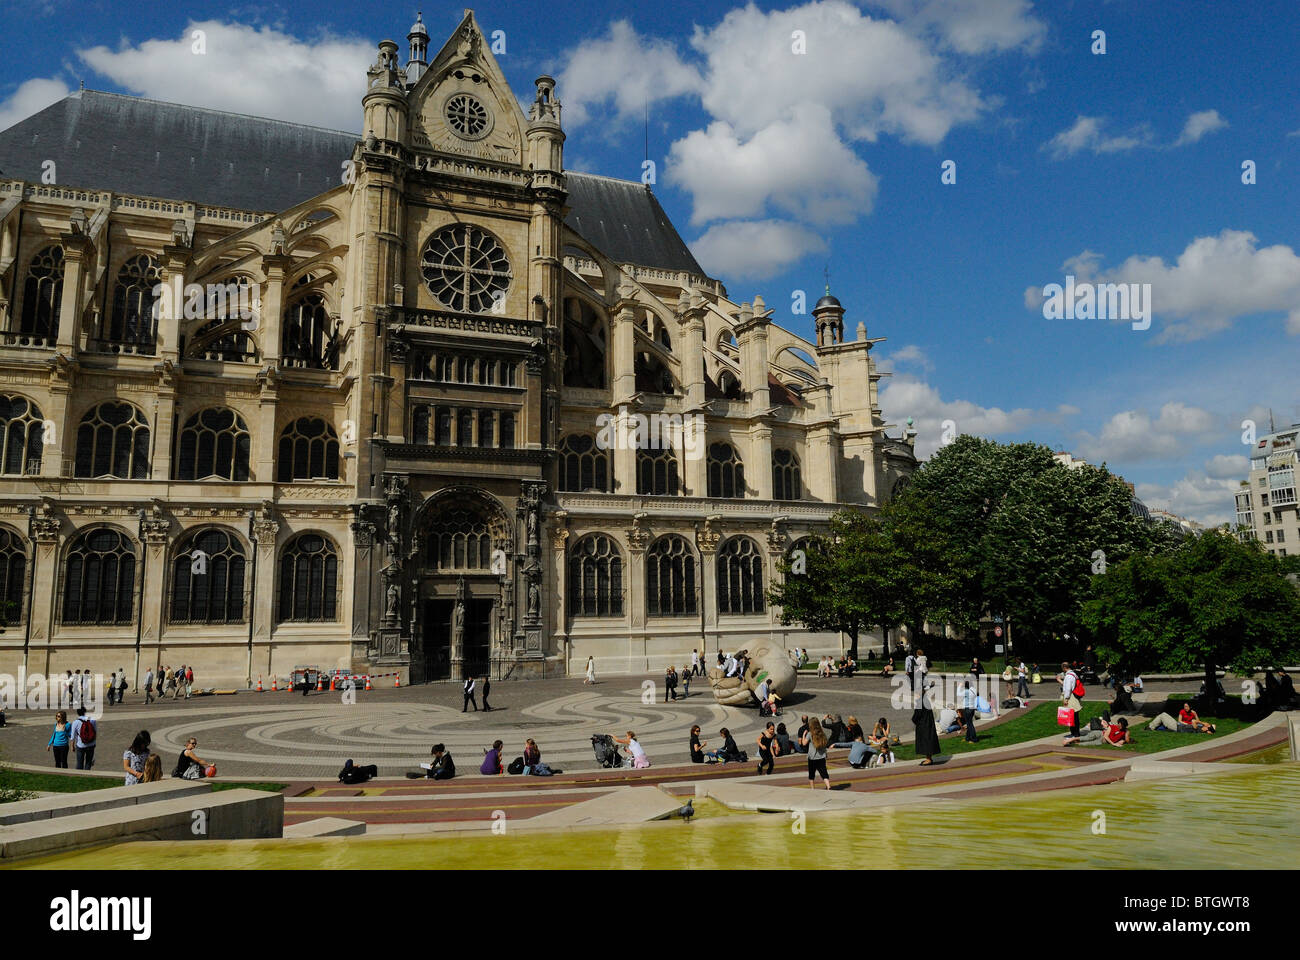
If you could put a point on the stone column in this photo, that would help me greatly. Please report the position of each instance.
(638, 539)
(76, 251)
(624, 454)
(559, 584)
(265, 529)
(759, 476)
(707, 539)
(154, 529)
(43, 531)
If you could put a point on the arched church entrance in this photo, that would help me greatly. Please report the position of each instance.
(462, 566)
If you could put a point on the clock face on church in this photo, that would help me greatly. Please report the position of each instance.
(467, 117)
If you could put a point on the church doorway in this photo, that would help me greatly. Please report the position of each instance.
(438, 617)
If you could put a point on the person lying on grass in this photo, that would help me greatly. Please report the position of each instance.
(1116, 734)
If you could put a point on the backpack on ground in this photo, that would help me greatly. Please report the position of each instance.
(516, 766)
(607, 755)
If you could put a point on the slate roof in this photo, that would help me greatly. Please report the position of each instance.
(123, 144)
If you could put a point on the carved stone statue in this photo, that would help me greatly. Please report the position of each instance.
(534, 598)
(766, 662)
(532, 526)
(394, 596)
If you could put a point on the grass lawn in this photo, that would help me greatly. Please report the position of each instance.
(1040, 721)
(62, 783)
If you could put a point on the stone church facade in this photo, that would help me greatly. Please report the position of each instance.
(417, 401)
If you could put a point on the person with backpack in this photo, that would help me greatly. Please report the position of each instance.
(189, 682)
(1072, 694)
(121, 683)
(469, 696)
(84, 731)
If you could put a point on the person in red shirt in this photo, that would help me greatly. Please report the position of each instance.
(1188, 716)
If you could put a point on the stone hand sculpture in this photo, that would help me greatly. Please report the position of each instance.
(766, 662)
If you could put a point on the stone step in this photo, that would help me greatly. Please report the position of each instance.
(325, 827)
(67, 804)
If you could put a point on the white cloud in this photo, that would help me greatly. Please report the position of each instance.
(973, 26)
(1223, 467)
(625, 70)
(1196, 496)
(1215, 281)
(1086, 134)
(754, 249)
(1132, 435)
(782, 126)
(910, 353)
(776, 168)
(1199, 124)
(873, 75)
(262, 72)
(32, 96)
(906, 396)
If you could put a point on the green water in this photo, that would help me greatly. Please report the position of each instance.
(1278, 753)
(1224, 822)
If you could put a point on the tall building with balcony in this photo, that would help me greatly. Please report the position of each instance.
(1266, 501)
(418, 400)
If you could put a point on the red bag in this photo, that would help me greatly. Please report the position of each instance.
(211, 771)
(1064, 717)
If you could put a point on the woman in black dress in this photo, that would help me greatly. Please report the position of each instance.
(927, 738)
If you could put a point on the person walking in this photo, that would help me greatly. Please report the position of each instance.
(189, 682)
(1022, 680)
(815, 742)
(695, 663)
(968, 712)
(767, 748)
(909, 667)
(686, 684)
(487, 688)
(58, 743)
(84, 731)
(469, 696)
(121, 683)
(1071, 694)
(591, 670)
(112, 688)
(148, 686)
(670, 684)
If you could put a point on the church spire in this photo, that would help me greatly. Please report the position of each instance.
(419, 41)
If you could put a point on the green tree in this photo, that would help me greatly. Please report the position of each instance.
(1049, 535)
(1212, 602)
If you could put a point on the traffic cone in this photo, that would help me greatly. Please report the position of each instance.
(320, 683)
(367, 681)
(274, 688)
(259, 685)
(332, 683)
(397, 680)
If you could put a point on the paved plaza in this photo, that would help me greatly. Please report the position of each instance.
(287, 736)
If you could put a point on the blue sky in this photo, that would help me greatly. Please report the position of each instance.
(1125, 166)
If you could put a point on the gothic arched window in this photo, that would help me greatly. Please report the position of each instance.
(465, 268)
(670, 578)
(22, 435)
(596, 577)
(786, 483)
(214, 443)
(465, 428)
(459, 539)
(13, 570)
(309, 335)
(43, 294)
(726, 471)
(656, 472)
(113, 441)
(740, 577)
(99, 579)
(420, 424)
(131, 320)
(583, 465)
(309, 574)
(208, 579)
(309, 450)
